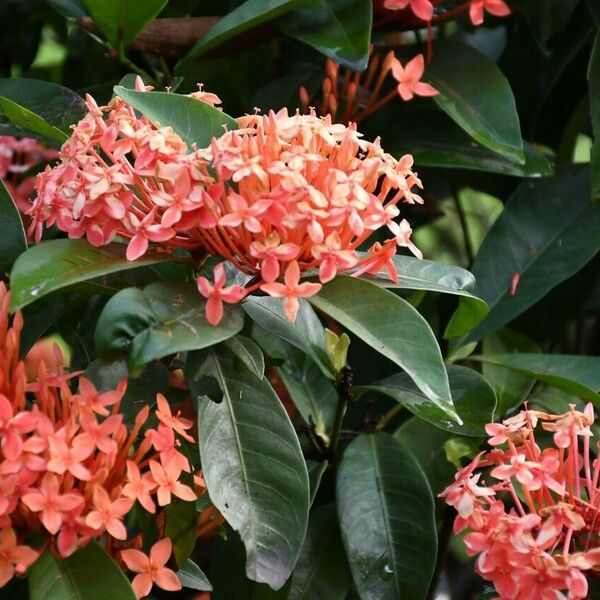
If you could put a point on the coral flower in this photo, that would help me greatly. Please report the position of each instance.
(13, 558)
(167, 479)
(109, 514)
(498, 8)
(177, 423)
(138, 487)
(291, 290)
(216, 294)
(409, 78)
(151, 569)
(421, 8)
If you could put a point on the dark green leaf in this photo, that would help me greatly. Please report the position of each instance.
(89, 573)
(316, 471)
(594, 84)
(194, 121)
(433, 276)
(56, 264)
(594, 9)
(246, 16)
(164, 318)
(253, 466)
(248, 353)
(546, 17)
(577, 375)
(12, 240)
(181, 520)
(477, 96)
(122, 20)
(322, 570)
(26, 120)
(511, 388)
(70, 9)
(192, 577)
(306, 334)
(541, 239)
(394, 328)
(340, 29)
(56, 105)
(387, 520)
(474, 400)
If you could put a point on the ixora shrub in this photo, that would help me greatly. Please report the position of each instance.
(241, 355)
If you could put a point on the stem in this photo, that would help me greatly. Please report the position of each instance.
(462, 217)
(343, 387)
(391, 414)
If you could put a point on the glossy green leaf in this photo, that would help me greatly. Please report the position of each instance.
(539, 237)
(431, 276)
(12, 241)
(56, 106)
(248, 353)
(386, 513)
(122, 20)
(164, 318)
(192, 577)
(181, 522)
(339, 29)
(474, 400)
(322, 570)
(313, 394)
(195, 122)
(594, 92)
(246, 16)
(89, 573)
(253, 465)
(56, 264)
(391, 326)
(316, 470)
(306, 333)
(28, 121)
(476, 95)
(511, 388)
(577, 375)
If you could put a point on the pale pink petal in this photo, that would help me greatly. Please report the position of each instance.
(167, 580)
(137, 247)
(142, 584)
(161, 552)
(135, 560)
(214, 310)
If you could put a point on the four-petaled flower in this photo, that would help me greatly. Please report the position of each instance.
(421, 8)
(167, 479)
(151, 569)
(498, 8)
(109, 513)
(291, 290)
(409, 78)
(216, 294)
(176, 423)
(138, 487)
(13, 558)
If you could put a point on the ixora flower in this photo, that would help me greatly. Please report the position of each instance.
(280, 196)
(534, 525)
(71, 471)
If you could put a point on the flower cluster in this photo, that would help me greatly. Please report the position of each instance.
(535, 528)
(281, 195)
(72, 468)
(17, 157)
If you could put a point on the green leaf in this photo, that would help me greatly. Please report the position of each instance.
(194, 121)
(511, 388)
(54, 108)
(322, 570)
(390, 325)
(164, 318)
(594, 10)
(339, 29)
(306, 333)
(181, 521)
(546, 17)
(192, 577)
(540, 237)
(594, 86)
(474, 400)
(70, 9)
(56, 264)
(22, 117)
(313, 394)
(12, 241)
(253, 465)
(122, 20)
(576, 375)
(477, 96)
(431, 276)
(248, 353)
(89, 574)
(246, 16)
(316, 470)
(386, 513)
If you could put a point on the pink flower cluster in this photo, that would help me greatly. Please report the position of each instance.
(71, 469)
(281, 195)
(534, 526)
(17, 157)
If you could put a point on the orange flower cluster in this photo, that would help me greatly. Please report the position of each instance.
(548, 539)
(281, 195)
(72, 469)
